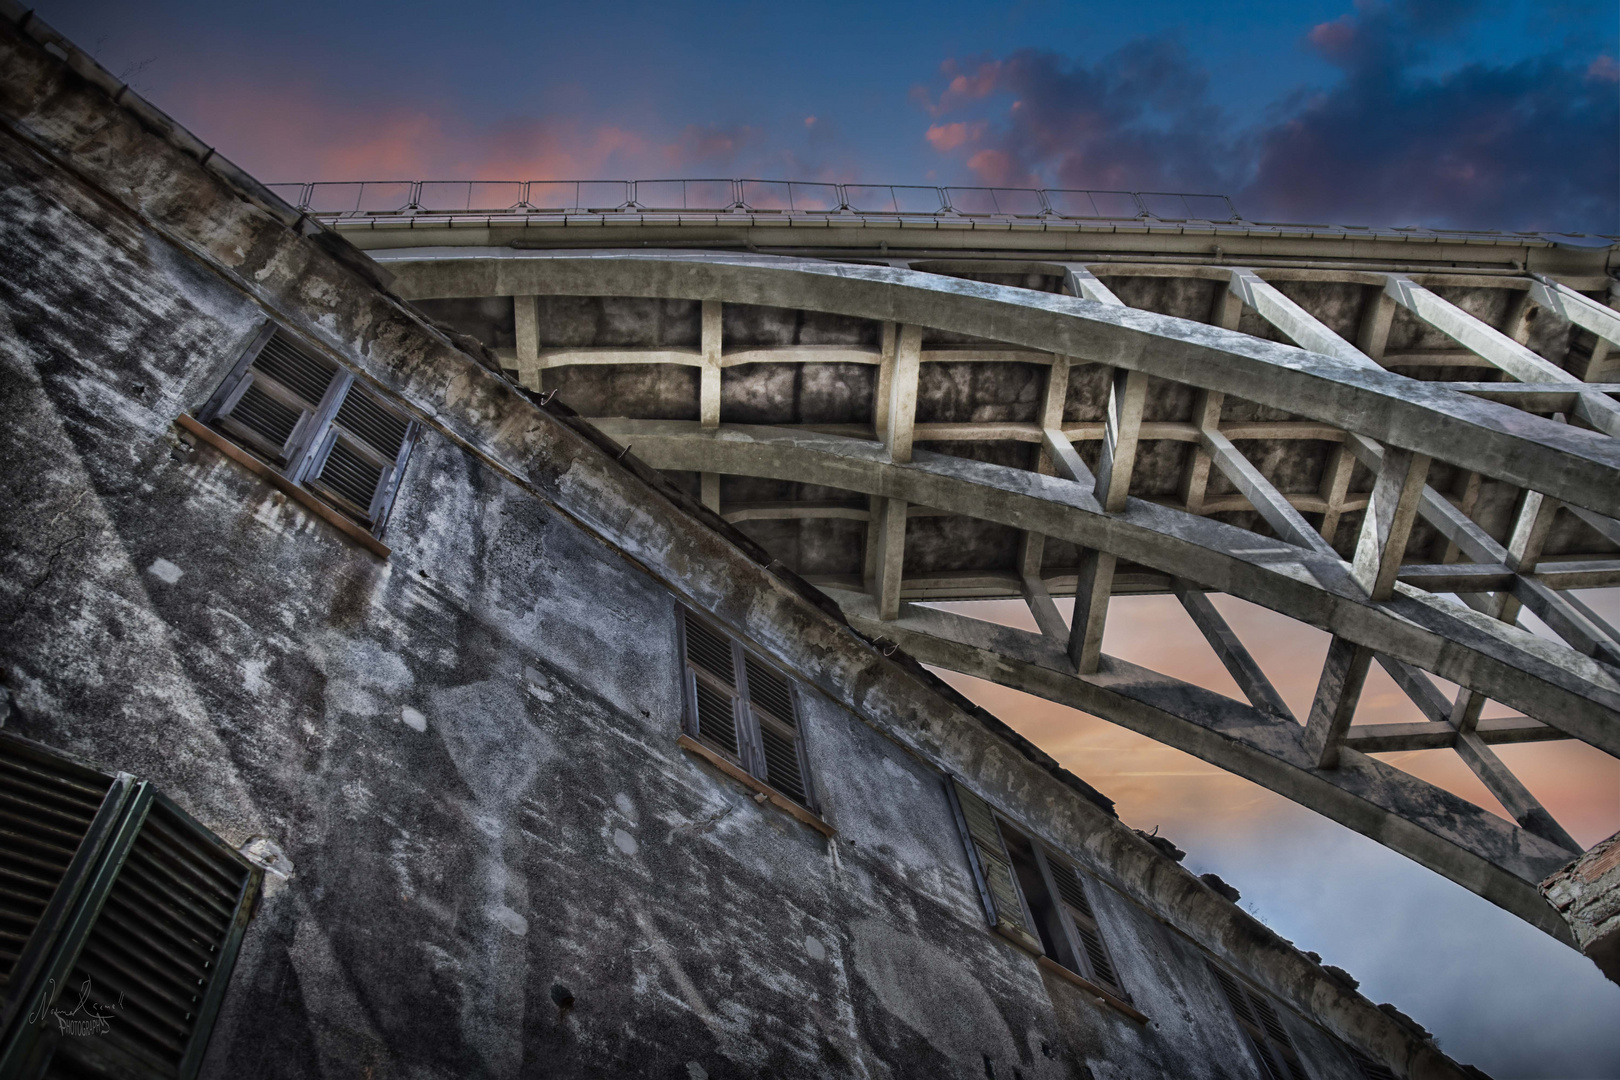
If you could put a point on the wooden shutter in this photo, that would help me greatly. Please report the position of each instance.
(361, 456)
(145, 942)
(1269, 1040)
(1077, 908)
(273, 407)
(712, 683)
(992, 868)
(56, 817)
(771, 701)
(156, 957)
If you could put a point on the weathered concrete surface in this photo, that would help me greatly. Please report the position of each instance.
(1508, 664)
(1587, 894)
(503, 863)
(1576, 466)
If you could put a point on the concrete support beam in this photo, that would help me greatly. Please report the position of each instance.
(1065, 462)
(1587, 894)
(1195, 481)
(526, 321)
(901, 418)
(1227, 310)
(1504, 443)
(1543, 679)
(1122, 429)
(1440, 735)
(710, 490)
(1237, 659)
(1302, 328)
(1041, 607)
(1083, 283)
(1530, 528)
(1093, 588)
(1567, 305)
(1473, 847)
(891, 553)
(1513, 795)
(1032, 545)
(709, 384)
(1381, 546)
(885, 380)
(1337, 693)
(1372, 336)
(1341, 465)
(1273, 506)
(1501, 350)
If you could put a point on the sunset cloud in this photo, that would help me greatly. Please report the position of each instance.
(1522, 145)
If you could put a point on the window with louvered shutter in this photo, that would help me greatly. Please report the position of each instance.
(357, 460)
(771, 702)
(1369, 1068)
(124, 965)
(54, 818)
(992, 866)
(1071, 890)
(317, 425)
(739, 705)
(1273, 1050)
(274, 405)
(713, 674)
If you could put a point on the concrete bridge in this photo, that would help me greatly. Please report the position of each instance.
(1403, 437)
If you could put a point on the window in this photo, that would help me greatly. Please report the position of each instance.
(740, 707)
(1033, 895)
(120, 918)
(1370, 1069)
(316, 424)
(1269, 1040)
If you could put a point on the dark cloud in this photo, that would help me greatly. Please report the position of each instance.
(1529, 145)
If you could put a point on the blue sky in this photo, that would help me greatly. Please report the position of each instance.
(1468, 113)
(1463, 113)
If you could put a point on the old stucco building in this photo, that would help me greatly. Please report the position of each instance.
(495, 651)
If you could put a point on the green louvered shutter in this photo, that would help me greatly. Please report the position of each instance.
(127, 962)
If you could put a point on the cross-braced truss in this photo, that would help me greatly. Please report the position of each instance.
(1403, 469)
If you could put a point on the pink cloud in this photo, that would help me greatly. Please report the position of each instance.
(1334, 39)
(947, 137)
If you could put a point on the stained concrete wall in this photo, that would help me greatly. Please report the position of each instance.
(467, 755)
(499, 862)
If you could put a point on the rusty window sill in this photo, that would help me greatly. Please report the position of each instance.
(203, 433)
(747, 779)
(1046, 963)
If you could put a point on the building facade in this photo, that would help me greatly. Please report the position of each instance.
(521, 755)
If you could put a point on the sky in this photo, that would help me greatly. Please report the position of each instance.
(1478, 114)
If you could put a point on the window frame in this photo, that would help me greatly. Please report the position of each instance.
(749, 756)
(1274, 1058)
(303, 457)
(1021, 926)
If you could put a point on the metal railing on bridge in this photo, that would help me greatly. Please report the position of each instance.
(356, 198)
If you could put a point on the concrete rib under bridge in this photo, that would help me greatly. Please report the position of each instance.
(1405, 439)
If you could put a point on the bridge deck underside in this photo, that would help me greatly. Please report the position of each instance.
(950, 451)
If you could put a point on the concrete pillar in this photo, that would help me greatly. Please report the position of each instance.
(1587, 894)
